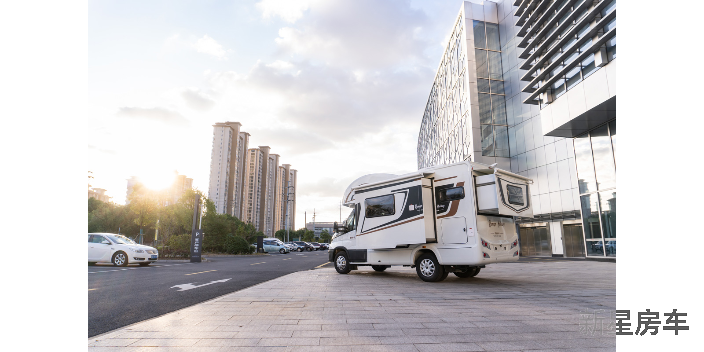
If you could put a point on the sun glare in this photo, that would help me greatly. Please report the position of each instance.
(158, 180)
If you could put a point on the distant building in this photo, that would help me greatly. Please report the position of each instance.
(99, 194)
(227, 167)
(285, 190)
(319, 227)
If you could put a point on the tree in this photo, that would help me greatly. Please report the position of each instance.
(308, 235)
(94, 204)
(325, 236)
(281, 234)
(143, 206)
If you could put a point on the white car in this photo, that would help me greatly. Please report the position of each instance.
(118, 250)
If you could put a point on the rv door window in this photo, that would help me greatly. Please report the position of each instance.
(379, 206)
(515, 195)
(450, 194)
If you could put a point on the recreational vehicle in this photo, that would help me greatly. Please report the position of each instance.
(449, 218)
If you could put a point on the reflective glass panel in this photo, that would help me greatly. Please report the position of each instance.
(608, 213)
(479, 35)
(586, 179)
(482, 67)
(487, 140)
(611, 48)
(558, 88)
(483, 85)
(498, 109)
(495, 65)
(484, 108)
(573, 77)
(492, 36)
(501, 141)
(497, 87)
(611, 248)
(590, 215)
(612, 129)
(595, 248)
(603, 158)
(588, 66)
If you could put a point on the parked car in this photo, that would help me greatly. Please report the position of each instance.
(303, 246)
(324, 246)
(316, 245)
(291, 246)
(118, 250)
(275, 246)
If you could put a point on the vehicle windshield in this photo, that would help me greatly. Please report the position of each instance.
(119, 239)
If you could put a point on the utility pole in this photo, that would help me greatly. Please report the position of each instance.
(313, 223)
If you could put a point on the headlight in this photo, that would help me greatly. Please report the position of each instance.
(137, 250)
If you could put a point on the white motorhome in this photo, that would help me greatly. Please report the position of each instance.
(448, 218)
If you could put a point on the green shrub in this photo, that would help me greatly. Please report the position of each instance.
(237, 245)
(177, 246)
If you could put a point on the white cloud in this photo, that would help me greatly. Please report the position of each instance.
(288, 10)
(208, 45)
(280, 65)
(153, 114)
(205, 45)
(197, 99)
(357, 34)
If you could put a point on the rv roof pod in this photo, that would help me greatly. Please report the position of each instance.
(460, 214)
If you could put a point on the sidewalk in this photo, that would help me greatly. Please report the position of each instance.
(523, 306)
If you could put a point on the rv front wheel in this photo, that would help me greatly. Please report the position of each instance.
(342, 265)
(429, 269)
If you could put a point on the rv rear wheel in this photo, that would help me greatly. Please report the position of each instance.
(379, 268)
(342, 265)
(471, 272)
(429, 269)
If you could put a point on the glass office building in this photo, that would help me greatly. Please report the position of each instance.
(531, 85)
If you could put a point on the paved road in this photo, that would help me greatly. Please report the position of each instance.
(122, 296)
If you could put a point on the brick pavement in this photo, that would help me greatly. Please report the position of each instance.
(525, 306)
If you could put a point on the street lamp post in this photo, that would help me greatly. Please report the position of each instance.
(289, 198)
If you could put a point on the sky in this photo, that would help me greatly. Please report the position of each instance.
(336, 88)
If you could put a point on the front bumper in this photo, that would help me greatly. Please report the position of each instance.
(143, 257)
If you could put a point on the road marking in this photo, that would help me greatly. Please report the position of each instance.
(209, 271)
(322, 265)
(92, 289)
(190, 286)
(258, 263)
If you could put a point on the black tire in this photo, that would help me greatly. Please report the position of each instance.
(282, 251)
(120, 259)
(471, 272)
(144, 264)
(444, 275)
(429, 269)
(379, 268)
(300, 249)
(342, 264)
(309, 249)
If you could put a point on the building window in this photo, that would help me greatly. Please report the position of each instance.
(596, 174)
(492, 99)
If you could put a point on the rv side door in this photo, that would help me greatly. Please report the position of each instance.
(428, 197)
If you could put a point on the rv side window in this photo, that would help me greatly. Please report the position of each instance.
(515, 195)
(379, 206)
(449, 194)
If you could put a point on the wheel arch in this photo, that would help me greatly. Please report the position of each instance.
(334, 252)
(422, 251)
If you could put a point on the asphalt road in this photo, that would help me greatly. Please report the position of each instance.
(118, 297)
